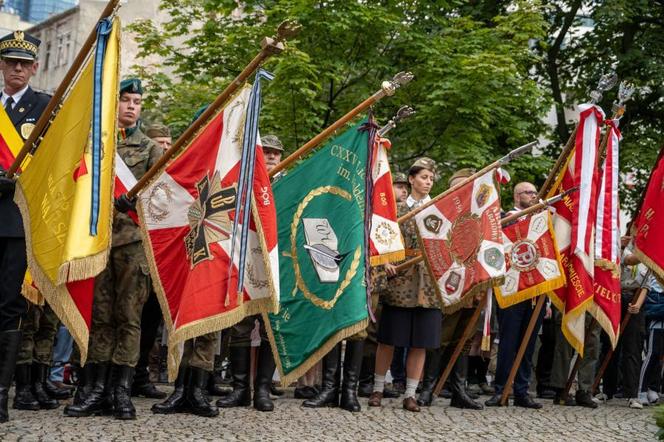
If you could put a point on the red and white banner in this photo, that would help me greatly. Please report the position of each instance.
(605, 307)
(187, 216)
(385, 241)
(124, 182)
(533, 261)
(648, 227)
(462, 240)
(574, 225)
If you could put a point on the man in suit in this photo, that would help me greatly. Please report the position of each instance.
(18, 63)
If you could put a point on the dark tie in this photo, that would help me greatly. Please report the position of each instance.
(8, 104)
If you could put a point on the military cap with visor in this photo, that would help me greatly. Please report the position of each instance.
(19, 45)
(461, 173)
(399, 178)
(158, 130)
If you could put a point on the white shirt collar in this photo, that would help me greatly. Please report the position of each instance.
(410, 201)
(16, 97)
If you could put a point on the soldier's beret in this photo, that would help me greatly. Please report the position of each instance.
(272, 142)
(19, 45)
(158, 130)
(399, 177)
(461, 173)
(131, 85)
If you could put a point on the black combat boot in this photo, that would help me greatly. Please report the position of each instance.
(367, 376)
(176, 402)
(460, 398)
(351, 376)
(196, 400)
(122, 406)
(92, 402)
(10, 342)
(329, 393)
(39, 374)
(213, 389)
(142, 385)
(241, 394)
(431, 372)
(263, 381)
(24, 399)
(86, 382)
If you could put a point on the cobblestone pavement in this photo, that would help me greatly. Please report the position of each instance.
(610, 422)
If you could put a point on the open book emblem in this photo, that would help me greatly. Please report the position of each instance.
(322, 246)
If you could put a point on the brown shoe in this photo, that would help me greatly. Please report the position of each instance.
(410, 404)
(375, 398)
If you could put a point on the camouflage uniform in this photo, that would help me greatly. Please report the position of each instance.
(39, 330)
(412, 287)
(199, 352)
(123, 287)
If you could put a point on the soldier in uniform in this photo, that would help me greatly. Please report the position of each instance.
(240, 334)
(24, 106)
(123, 287)
(455, 320)
(160, 134)
(401, 187)
(411, 314)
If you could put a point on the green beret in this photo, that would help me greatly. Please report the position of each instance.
(131, 85)
(462, 173)
(272, 142)
(158, 130)
(399, 178)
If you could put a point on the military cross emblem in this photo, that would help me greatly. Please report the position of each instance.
(209, 218)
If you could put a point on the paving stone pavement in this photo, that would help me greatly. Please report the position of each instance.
(290, 422)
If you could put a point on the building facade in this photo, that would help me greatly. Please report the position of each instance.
(35, 11)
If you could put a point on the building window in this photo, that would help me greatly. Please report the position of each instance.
(59, 60)
(67, 48)
(47, 57)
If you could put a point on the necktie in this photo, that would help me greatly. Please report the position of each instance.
(8, 104)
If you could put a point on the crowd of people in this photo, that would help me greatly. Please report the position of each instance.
(401, 355)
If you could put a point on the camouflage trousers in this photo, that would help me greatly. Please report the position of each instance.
(240, 333)
(39, 329)
(199, 352)
(120, 292)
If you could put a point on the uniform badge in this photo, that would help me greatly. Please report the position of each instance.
(21, 110)
(483, 194)
(494, 258)
(433, 224)
(26, 130)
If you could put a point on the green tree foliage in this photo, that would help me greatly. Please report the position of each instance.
(474, 91)
(626, 36)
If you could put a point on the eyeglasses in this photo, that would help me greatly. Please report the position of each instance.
(528, 192)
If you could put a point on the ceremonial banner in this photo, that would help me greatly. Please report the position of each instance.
(186, 215)
(322, 210)
(648, 227)
(574, 223)
(533, 262)
(462, 240)
(606, 305)
(62, 205)
(386, 243)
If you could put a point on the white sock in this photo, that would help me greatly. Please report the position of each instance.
(411, 387)
(379, 383)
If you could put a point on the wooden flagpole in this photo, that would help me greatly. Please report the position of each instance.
(50, 111)
(606, 82)
(498, 163)
(269, 47)
(388, 88)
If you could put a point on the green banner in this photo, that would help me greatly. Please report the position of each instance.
(322, 244)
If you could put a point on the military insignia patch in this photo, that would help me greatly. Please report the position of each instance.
(452, 282)
(209, 218)
(433, 224)
(524, 256)
(26, 130)
(494, 257)
(483, 194)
